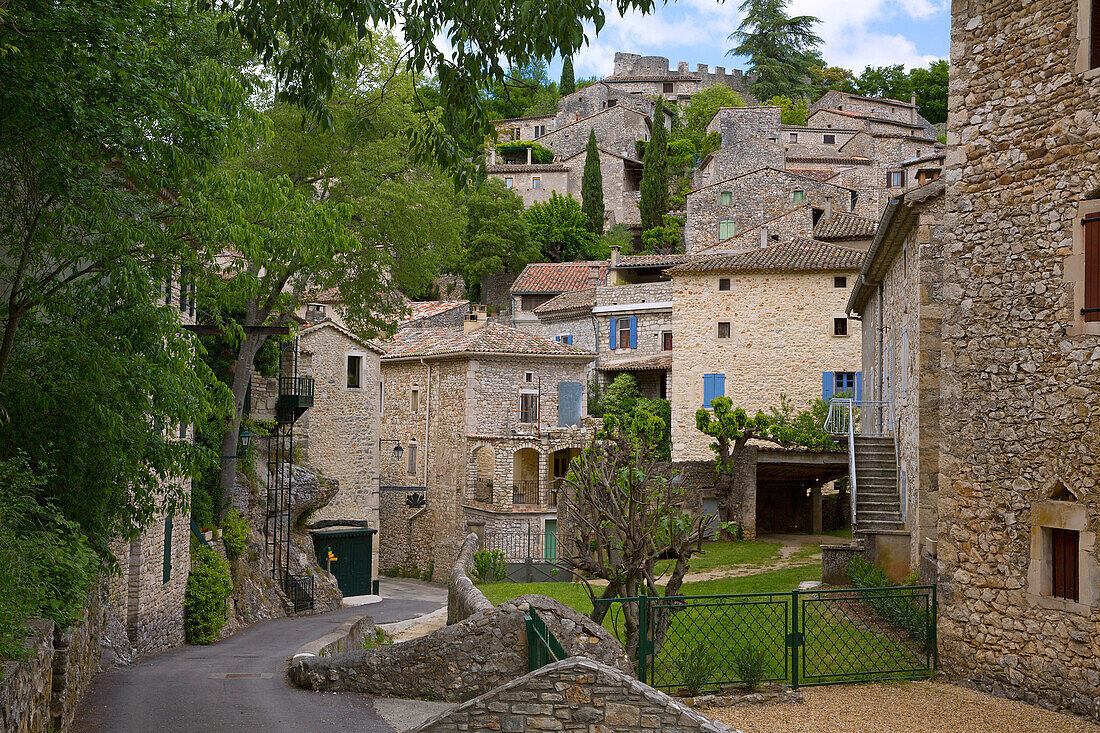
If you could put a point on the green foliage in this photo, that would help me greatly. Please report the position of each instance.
(539, 154)
(621, 396)
(235, 533)
(525, 90)
(664, 239)
(496, 237)
(781, 48)
(704, 105)
(695, 666)
(654, 187)
(794, 111)
(559, 228)
(567, 85)
(208, 587)
(46, 565)
(662, 410)
(825, 78)
(750, 663)
(622, 402)
(378, 639)
(904, 610)
(592, 187)
(681, 156)
(619, 236)
(489, 566)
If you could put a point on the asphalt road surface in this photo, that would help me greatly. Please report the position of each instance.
(240, 684)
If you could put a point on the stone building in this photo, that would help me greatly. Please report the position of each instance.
(533, 183)
(487, 417)
(651, 75)
(617, 129)
(1019, 496)
(835, 107)
(541, 281)
(757, 324)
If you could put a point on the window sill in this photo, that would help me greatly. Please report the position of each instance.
(1061, 604)
(1091, 74)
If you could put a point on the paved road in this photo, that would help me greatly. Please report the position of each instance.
(196, 688)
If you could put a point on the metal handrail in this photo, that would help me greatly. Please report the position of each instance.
(844, 412)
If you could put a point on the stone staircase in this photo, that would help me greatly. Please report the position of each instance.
(878, 507)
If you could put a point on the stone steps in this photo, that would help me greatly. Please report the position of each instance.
(877, 504)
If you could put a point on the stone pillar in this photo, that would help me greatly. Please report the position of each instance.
(749, 504)
(477, 526)
(528, 156)
(815, 509)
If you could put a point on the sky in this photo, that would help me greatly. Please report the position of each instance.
(856, 33)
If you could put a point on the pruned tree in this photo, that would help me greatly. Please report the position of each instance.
(621, 512)
(733, 428)
(592, 186)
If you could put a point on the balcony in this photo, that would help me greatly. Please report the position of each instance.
(295, 397)
(525, 493)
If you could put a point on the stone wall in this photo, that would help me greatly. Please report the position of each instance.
(1020, 375)
(493, 385)
(496, 290)
(619, 191)
(462, 660)
(463, 597)
(25, 690)
(575, 694)
(810, 141)
(781, 326)
(616, 130)
(521, 179)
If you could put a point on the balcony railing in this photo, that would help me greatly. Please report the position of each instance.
(525, 493)
(295, 397)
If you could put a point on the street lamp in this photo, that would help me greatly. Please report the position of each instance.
(246, 437)
(397, 449)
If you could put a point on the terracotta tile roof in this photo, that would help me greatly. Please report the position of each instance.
(329, 323)
(853, 160)
(762, 170)
(492, 338)
(647, 364)
(651, 261)
(521, 119)
(845, 226)
(887, 100)
(568, 301)
(798, 254)
(558, 277)
(815, 173)
(428, 308)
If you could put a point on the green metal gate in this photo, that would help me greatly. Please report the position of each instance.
(353, 551)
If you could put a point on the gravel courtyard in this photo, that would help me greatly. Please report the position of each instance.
(904, 707)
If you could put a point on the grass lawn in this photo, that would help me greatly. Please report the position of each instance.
(727, 554)
(846, 532)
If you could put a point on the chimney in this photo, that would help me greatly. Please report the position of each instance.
(764, 237)
(616, 252)
(913, 109)
(828, 208)
(702, 68)
(475, 319)
(493, 155)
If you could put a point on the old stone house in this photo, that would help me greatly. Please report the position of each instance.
(836, 107)
(541, 281)
(651, 75)
(1019, 496)
(534, 182)
(487, 418)
(617, 129)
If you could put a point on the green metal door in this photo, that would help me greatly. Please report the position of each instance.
(551, 534)
(351, 557)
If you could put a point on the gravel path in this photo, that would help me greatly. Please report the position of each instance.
(903, 707)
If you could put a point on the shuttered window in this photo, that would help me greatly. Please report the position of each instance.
(166, 569)
(714, 385)
(726, 229)
(1094, 36)
(1091, 224)
(726, 198)
(1064, 571)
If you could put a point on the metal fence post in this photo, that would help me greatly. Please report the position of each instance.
(643, 636)
(795, 640)
(934, 632)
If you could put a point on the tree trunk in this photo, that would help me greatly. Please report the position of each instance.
(242, 373)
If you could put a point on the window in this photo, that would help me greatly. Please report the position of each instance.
(528, 407)
(412, 458)
(666, 341)
(848, 384)
(1094, 36)
(840, 281)
(845, 382)
(536, 182)
(529, 377)
(355, 371)
(565, 338)
(726, 229)
(1064, 572)
(714, 385)
(166, 569)
(894, 179)
(414, 399)
(840, 326)
(612, 102)
(794, 137)
(1091, 229)
(798, 196)
(726, 198)
(828, 139)
(540, 130)
(723, 283)
(624, 333)
(509, 182)
(381, 397)
(667, 87)
(723, 329)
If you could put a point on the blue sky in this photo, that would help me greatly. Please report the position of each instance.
(855, 34)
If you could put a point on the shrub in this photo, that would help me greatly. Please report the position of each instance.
(380, 638)
(235, 534)
(428, 572)
(208, 587)
(902, 610)
(539, 154)
(695, 666)
(489, 566)
(748, 661)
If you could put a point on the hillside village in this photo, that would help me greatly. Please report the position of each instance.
(867, 352)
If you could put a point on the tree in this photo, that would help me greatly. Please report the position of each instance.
(559, 227)
(525, 91)
(567, 85)
(891, 82)
(794, 111)
(781, 48)
(665, 239)
(705, 104)
(592, 187)
(732, 429)
(825, 78)
(621, 511)
(654, 194)
(496, 237)
(931, 87)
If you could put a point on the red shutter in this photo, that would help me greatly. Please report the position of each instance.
(1064, 571)
(1091, 310)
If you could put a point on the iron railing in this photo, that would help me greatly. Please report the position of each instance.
(542, 646)
(298, 590)
(802, 638)
(526, 493)
(870, 418)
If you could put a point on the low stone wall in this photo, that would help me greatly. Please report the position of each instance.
(575, 694)
(462, 660)
(463, 597)
(834, 562)
(25, 686)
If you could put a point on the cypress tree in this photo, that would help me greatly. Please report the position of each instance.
(592, 187)
(654, 200)
(568, 85)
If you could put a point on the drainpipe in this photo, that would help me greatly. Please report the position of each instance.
(427, 420)
(881, 356)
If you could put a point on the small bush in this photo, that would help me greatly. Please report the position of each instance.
(428, 572)
(208, 587)
(695, 666)
(235, 534)
(380, 638)
(748, 661)
(489, 566)
(903, 610)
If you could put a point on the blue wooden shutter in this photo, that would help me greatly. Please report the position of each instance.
(612, 340)
(859, 386)
(633, 332)
(827, 386)
(719, 385)
(569, 403)
(569, 339)
(558, 339)
(708, 389)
